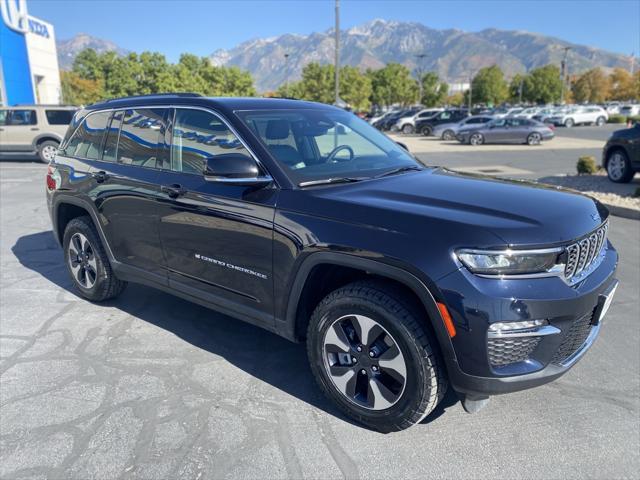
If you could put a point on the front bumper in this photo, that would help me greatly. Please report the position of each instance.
(574, 312)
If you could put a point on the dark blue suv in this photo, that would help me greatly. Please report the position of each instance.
(304, 220)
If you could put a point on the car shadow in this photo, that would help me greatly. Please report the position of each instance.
(262, 354)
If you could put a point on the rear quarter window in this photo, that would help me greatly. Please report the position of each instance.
(59, 117)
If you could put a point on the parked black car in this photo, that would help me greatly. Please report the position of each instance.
(304, 220)
(389, 121)
(621, 154)
(426, 125)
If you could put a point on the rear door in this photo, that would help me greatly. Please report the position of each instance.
(19, 129)
(126, 186)
(217, 237)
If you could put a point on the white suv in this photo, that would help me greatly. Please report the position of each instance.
(580, 115)
(408, 124)
(34, 129)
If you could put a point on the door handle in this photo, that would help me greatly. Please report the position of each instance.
(35, 129)
(100, 176)
(174, 191)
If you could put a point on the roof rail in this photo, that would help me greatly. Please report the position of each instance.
(150, 95)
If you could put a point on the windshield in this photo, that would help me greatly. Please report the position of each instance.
(318, 144)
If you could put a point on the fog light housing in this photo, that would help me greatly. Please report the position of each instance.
(504, 327)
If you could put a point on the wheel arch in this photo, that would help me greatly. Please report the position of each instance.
(317, 267)
(45, 137)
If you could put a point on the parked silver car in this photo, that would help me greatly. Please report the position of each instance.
(508, 130)
(448, 131)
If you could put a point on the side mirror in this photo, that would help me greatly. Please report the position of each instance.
(234, 168)
(403, 146)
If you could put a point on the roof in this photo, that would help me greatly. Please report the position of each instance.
(220, 103)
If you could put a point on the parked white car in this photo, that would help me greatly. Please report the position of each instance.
(448, 131)
(528, 112)
(408, 124)
(506, 112)
(590, 115)
(630, 110)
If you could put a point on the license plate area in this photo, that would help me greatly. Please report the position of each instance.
(604, 302)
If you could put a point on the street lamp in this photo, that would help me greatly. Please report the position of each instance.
(286, 74)
(337, 55)
(420, 57)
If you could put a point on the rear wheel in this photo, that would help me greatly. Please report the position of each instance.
(88, 263)
(534, 138)
(569, 122)
(371, 356)
(601, 121)
(448, 135)
(407, 129)
(47, 151)
(476, 139)
(619, 167)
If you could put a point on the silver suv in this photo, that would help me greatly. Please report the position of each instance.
(36, 129)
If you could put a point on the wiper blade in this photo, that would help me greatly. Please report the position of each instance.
(327, 181)
(399, 170)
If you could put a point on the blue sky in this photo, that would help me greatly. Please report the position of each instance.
(201, 27)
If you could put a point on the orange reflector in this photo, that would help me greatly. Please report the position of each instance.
(446, 318)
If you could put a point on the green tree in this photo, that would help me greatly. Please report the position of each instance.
(592, 86)
(355, 88)
(622, 86)
(543, 85)
(489, 86)
(80, 91)
(393, 85)
(434, 91)
(515, 87)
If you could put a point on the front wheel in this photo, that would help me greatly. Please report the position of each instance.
(601, 121)
(569, 122)
(371, 355)
(534, 138)
(619, 167)
(476, 139)
(448, 135)
(407, 129)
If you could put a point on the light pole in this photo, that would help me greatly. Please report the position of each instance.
(420, 57)
(470, 90)
(563, 73)
(337, 59)
(286, 74)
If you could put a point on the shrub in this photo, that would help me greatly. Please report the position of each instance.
(617, 119)
(587, 165)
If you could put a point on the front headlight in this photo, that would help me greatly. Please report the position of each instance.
(511, 262)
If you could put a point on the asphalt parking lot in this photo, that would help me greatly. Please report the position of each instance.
(150, 386)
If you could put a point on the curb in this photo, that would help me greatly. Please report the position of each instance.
(622, 211)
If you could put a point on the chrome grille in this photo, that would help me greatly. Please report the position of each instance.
(583, 254)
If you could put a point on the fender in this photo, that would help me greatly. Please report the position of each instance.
(286, 327)
(46, 136)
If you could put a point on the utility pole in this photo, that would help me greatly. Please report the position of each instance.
(419, 71)
(470, 90)
(563, 72)
(337, 59)
(286, 74)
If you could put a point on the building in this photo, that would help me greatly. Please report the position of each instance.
(28, 57)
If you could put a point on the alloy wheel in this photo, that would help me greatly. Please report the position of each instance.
(448, 135)
(476, 139)
(534, 139)
(364, 362)
(616, 166)
(82, 260)
(49, 152)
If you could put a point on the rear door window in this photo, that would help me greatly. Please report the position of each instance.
(111, 140)
(3, 117)
(141, 138)
(59, 117)
(86, 142)
(22, 117)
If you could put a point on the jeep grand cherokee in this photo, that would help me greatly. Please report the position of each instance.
(303, 219)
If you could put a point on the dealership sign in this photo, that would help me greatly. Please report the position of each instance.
(14, 15)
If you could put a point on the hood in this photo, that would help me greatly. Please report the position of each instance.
(466, 210)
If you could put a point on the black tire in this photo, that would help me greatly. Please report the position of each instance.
(569, 122)
(448, 135)
(534, 138)
(425, 382)
(476, 139)
(46, 150)
(105, 285)
(426, 130)
(407, 129)
(618, 167)
(600, 121)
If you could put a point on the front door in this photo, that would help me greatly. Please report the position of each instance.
(18, 128)
(217, 237)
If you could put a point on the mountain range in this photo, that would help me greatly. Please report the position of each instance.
(453, 54)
